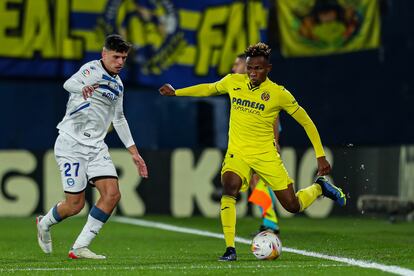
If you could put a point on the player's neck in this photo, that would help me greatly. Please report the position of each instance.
(109, 72)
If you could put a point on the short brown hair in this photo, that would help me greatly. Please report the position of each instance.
(258, 50)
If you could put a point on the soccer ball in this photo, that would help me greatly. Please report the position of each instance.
(266, 246)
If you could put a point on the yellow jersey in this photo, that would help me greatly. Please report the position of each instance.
(253, 112)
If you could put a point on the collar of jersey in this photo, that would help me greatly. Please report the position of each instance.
(252, 88)
(106, 70)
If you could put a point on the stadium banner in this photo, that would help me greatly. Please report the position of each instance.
(182, 41)
(184, 182)
(319, 27)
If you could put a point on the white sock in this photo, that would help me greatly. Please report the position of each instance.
(89, 232)
(51, 218)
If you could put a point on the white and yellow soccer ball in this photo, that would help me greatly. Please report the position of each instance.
(266, 246)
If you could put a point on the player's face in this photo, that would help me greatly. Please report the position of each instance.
(114, 61)
(239, 66)
(257, 69)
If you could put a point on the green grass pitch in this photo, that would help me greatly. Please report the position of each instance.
(133, 250)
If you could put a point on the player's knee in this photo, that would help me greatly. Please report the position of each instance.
(112, 197)
(231, 184)
(231, 189)
(117, 197)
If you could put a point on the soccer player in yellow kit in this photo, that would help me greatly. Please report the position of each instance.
(262, 195)
(255, 104)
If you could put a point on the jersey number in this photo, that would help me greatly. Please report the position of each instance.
(68, 169)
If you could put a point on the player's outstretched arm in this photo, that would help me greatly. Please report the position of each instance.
(199, 90)
(138, 161)
(167, 90)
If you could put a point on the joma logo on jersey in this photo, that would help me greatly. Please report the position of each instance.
(109, 95)
(248, 103)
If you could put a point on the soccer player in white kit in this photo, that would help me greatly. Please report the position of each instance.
(95, 100)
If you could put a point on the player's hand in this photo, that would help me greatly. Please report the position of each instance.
(324, 167)
(167, 90)
(140, 163)
(88, 90)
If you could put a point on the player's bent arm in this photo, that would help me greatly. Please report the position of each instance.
(199, 90)
(122, 129)
(306, 122)
(73, 86)
(121, 125)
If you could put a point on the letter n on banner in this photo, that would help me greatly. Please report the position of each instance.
(323, 27)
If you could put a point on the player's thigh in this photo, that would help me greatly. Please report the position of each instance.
(234, 163)
(101, 165)
(72, 165)
(273, 172)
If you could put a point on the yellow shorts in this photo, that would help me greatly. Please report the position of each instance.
(268, 166)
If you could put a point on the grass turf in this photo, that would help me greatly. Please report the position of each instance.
(146, 251)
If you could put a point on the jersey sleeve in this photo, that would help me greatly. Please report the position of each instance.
(121, 125)
(205, 89)
(306, 122)
(291, 106)
(287, 101)
(87, 75)
(222, 85)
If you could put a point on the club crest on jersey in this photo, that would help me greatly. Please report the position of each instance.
(265, 96)
(70, 181)
(86, 73)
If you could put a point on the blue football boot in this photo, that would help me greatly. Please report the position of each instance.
(331, 191)
(229, 255)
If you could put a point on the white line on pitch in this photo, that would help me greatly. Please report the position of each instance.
(386, 268)
(169, 267)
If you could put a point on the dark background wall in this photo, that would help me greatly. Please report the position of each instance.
(362, 98)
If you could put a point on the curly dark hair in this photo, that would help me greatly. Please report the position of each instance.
(258, 50)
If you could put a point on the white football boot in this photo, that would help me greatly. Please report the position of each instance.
(84, 253)
(43, 237)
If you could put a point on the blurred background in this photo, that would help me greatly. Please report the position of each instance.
(347, 62)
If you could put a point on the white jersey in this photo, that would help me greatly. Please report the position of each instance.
(87, 121)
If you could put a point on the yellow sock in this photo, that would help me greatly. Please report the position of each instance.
(270, 216)
(228, 219)
(308, 195)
